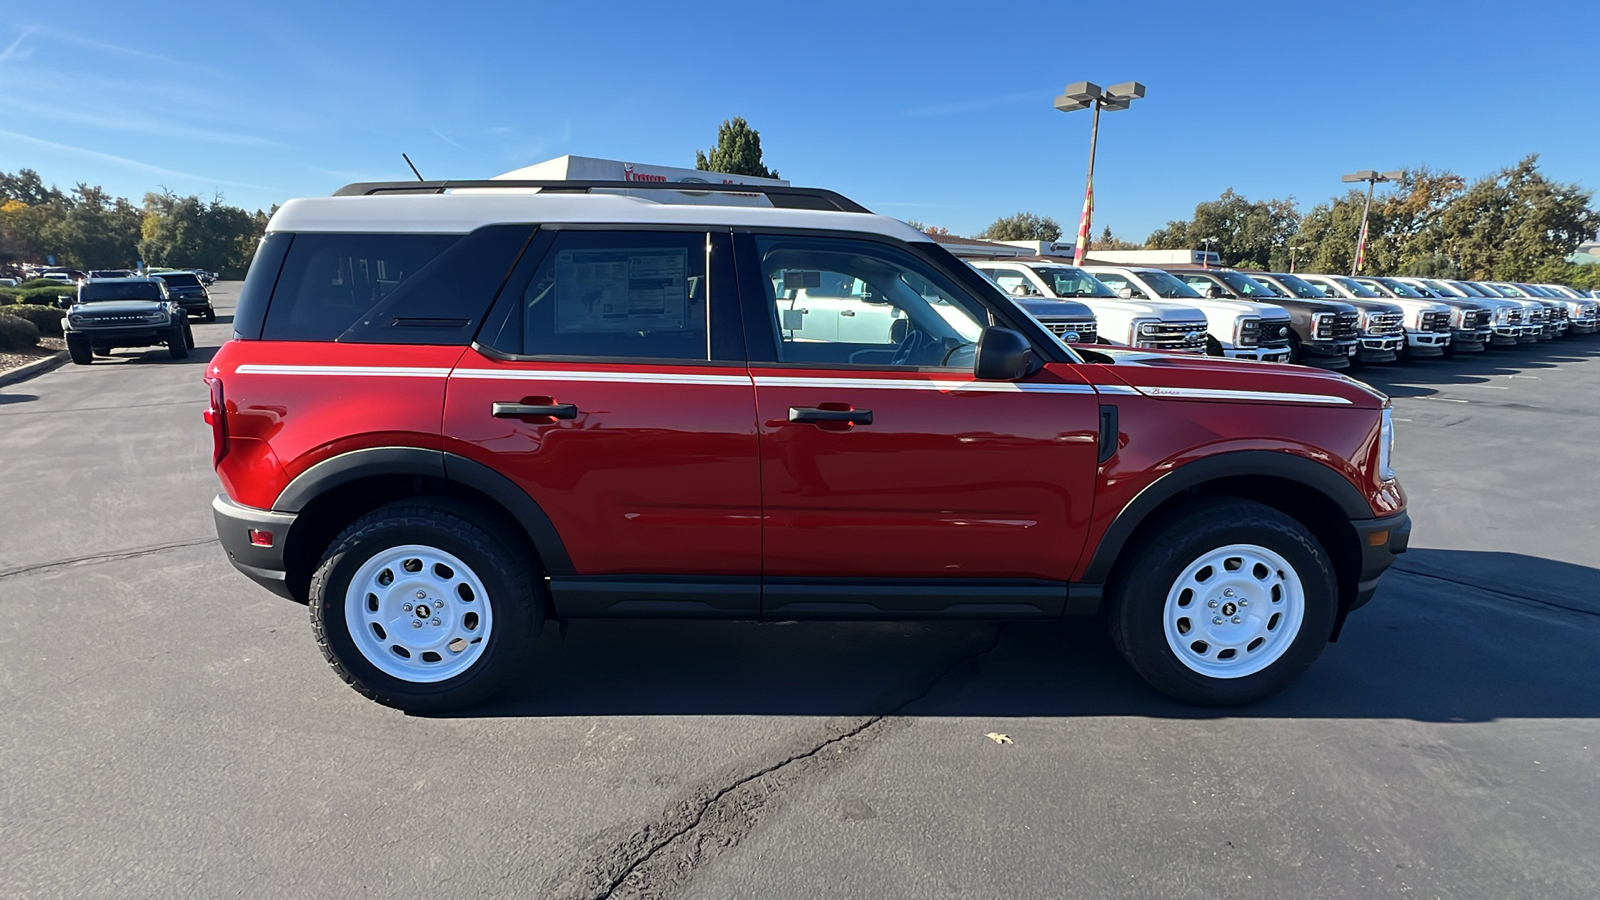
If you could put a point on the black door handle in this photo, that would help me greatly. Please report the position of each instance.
(813, 414)
(525, 410)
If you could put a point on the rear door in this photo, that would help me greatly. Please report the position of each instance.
(610, 383)
(893, 481)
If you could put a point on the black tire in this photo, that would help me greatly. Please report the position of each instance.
(177, 341)
(1139, 592)
(490, 554)
(188, 335)
(78, 348)
(211, 314)
(1213, 346)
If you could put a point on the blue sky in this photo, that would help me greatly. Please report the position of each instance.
(934, 111)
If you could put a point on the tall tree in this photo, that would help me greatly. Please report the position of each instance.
(27, 186)
(738, 151)
(1109, 241)
(1249, 232)
(1023, 226)
(1506, 225)
(187, 231)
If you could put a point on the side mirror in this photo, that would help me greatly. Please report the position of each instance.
(1215, 292)
(1125, 293)
(63, 302)
(1004, 355)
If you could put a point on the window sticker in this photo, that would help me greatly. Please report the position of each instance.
(644, 289)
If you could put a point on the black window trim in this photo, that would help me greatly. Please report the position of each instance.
(539, 247)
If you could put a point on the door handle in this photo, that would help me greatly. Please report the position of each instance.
(801, 414)
(502, 410)
(847, 312)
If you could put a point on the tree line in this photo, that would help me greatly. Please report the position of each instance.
(1511, 225)
(87, 228)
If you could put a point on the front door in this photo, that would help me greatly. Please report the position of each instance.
(610, 384)
(893, 481)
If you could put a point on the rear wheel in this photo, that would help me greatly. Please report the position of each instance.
(211, 314)
(1297, 354)
(1227, 602)
(188, 334)
(419, 608)
(78, 349)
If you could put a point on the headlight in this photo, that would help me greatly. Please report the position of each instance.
(1386, 445)
(1247, 331)
(1502, 316)
(75, 319)
(1322, 325)
(1150, 329)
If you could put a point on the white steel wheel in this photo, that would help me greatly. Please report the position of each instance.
(418, 613)
(1234, 611)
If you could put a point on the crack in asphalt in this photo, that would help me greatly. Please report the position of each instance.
(724, 816)
(1510, 595)
(113, 556)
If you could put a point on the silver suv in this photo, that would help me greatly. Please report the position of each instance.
(124, 312)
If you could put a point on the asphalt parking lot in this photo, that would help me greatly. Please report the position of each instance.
(168, 729)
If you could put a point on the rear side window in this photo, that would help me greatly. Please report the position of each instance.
(614, 295)
(330, 280)
(179, 279)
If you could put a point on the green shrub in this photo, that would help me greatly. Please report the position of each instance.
(46, 319)
(44, 282)
(17, 334)
(42, 296)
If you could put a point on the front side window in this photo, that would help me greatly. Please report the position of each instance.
(1303, 289)
(838, 301)
(1245, 286)
(1167, 286)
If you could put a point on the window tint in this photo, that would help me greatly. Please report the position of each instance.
(625, 295)
(179, 279)
(96, 291)
(330, 280)
(1015, 283)
(849, 302)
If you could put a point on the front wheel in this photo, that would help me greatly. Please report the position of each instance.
(78, 348)
(419, 608)
(178, 341)
(1227, 602)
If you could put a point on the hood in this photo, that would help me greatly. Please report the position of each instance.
(1238, 307)
(118, 308)
(1044, 308)
(1372, 306)
(1189, 378)
(1172, 312)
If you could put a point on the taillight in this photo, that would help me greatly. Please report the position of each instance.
(217, 418)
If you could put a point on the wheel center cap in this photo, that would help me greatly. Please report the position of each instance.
(423, 612)
(1230, 608)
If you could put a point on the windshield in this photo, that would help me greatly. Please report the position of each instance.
(1508, 290)
(1355, 287)
(1470, 289)
(180, 279)
(1166, 285)
(1441, 289)
(1303, 289)
(1067, 281)
(1401, 288)
(1245, 286)
(96, 291)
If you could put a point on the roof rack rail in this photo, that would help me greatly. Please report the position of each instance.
(781, 196)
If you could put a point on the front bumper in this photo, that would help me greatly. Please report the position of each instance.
(1581, 327)
(1427, 343)
(263, 565)
(1462, 341)
(1381, 541)
(122, 337)
(1529, 334)
(1379, 349)
(1264, 354)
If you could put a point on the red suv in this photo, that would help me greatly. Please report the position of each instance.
(453, 411)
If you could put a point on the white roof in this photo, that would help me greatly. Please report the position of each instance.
(464, 211)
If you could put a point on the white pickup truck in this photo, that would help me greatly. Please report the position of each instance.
(1155, 325)
(1238, 329)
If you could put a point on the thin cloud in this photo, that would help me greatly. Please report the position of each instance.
(134, 124)
(134, 164)
(68, 37)
(440, 136)
(14, 51)
(966, 106)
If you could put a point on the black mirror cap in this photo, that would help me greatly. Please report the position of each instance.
(1004, 355)
(63, 302)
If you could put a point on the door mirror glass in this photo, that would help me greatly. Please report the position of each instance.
(1125, 293)
(1004, 355)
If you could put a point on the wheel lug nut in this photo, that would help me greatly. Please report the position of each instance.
(1237, 620)
(416, 623)
(1244, 602)
(406, 607)
(1228, 592)
(1216, 620)
(422, 595)
(1212, 604)
(436, 621)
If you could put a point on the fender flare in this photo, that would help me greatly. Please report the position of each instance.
(358, 464)
(1288, 466)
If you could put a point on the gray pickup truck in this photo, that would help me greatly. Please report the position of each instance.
(124, 312)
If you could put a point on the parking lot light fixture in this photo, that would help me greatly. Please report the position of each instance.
(1205, 260)
(1084, 95)
(1371, 178)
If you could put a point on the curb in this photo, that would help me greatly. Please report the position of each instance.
(37, 367)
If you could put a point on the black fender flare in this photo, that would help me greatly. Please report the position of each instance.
(358, 464)
(1273, 463)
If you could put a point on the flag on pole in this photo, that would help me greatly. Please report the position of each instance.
(1082, 248)
(1361, 247)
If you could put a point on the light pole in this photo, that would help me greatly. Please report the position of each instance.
(1083, 95)
(1371, 178)
(1296, 248)
(1205, 261)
